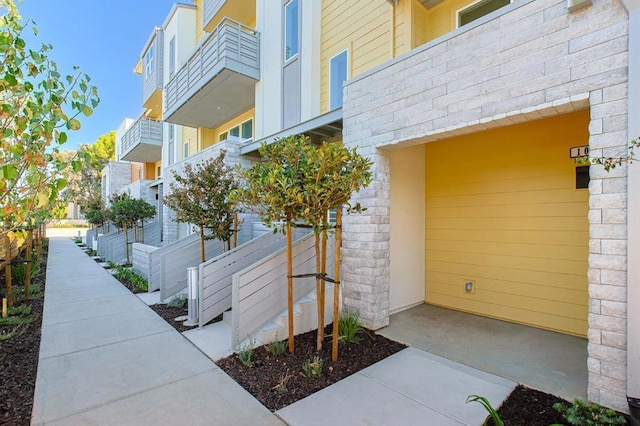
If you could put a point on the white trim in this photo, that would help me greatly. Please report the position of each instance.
(347, 77)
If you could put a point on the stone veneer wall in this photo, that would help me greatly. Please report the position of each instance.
(529, 60)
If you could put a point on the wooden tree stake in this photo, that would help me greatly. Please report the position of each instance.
(4, 307)
(290, 283)
(235, 230)
(27, 280)
(336, 286)
(7, 269)
(202, 254)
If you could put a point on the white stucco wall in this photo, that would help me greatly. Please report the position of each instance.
(268, 115)
(407, 227)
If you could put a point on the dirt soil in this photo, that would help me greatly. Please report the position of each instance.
(19, 361)
(278, 381)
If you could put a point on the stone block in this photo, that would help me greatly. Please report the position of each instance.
(602, 322)
(613, 309)
(608, 292)
(614, 340)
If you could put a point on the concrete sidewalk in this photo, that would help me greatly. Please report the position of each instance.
(106, 358)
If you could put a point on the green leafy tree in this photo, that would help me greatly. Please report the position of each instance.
(299, 182)
(38, 106)
(611, 163)
(128, 213)
(200, 196)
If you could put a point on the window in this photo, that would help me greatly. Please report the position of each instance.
(338, 75)
(291, 30)
(172, 153)
(186, 149)
(223, 136)
(158, 172)
(172, 57)
(148, 62)
(247, 129)
(235, 132)
(478, 9)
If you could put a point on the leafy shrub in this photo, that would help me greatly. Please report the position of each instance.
(138, 283)
(19, 310)
(313, 367)
(493, 414)
(177, 301)
(19, 271)
(245, 355)
(349, 327)
(583, 414)
(278, 347)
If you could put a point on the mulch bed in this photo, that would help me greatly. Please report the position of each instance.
(279, 381)
(169, 314)
(19, 362)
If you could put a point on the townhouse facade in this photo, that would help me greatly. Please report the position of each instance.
(476, 114)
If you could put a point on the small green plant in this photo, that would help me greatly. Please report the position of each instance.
(137, 283)
(313, 367)
(493, 414)
(584, 414)
(112, 265)
(177, 301)
(278, 347)
(349, 327)
(19, 271)
(17, 320)
(281, 387)
(245, 354)
(19, 330)
(19, 310)
(78, 241)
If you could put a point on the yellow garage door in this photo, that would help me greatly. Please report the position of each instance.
(503, 212)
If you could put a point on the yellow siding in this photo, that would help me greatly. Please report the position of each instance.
(149, 171)
(441, 19)
(190, 136)
(212, 136)
(419, 30)
(199, 17)
(370, 42)
(136, 172)
(502, 210)
(156, 165)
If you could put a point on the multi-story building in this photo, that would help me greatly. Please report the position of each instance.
(473, 112)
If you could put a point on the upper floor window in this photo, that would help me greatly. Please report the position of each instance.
(337, 77)
(172, 136)
(478, 9)
(290, 30)
(247, 129)
(148, 62)
(172, 57)
(235, 131)
(223, 136)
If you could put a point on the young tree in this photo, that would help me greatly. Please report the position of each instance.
(127, 213)
(200, 196)
(298, 182)
(38, 107)
(611, 163)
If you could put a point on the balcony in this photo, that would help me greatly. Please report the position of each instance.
(218, 81)
(142, 143)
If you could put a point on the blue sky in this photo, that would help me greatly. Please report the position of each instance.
(104, 38)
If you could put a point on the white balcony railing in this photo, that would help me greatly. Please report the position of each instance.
(143, 132)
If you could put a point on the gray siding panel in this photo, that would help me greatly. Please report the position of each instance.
(291, 94)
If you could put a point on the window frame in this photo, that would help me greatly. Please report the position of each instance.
(331, 78)
(286, 56)
(242, 135)
(470, 5)
(149, 58)
(172, 56)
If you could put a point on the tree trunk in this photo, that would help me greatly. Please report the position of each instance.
(316, 247)
(235, 230)
(323, 284)
(126, 240)
(336, 286)
(7, 269)
(202, 253)
(290, 283)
